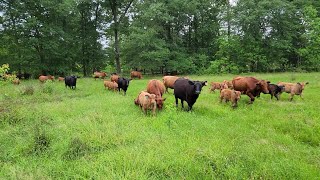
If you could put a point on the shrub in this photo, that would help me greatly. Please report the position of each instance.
(41, 142)
(27, 90)
(48, 87)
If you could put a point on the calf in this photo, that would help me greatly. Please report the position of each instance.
(110, 85)
(293, 88)
(60, 78)
(71, 81)
(156, 87)
(146, 101)
(16, 81)
(187, 90)
(230, 95)
(275, 90)
(114, 77)
(123, 83)
(214, 86)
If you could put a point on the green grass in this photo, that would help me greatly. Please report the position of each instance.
(92, 133)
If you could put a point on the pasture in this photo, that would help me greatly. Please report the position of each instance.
(51, 132)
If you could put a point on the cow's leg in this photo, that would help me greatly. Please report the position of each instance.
(182, 104)
(221, 98)
(301, 96)
(291, 97)
(167, 90)
(251, 97)
(176, 101)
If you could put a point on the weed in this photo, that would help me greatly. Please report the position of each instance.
(27, 90)
(76, 149)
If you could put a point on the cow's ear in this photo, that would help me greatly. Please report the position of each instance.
(204, 83)
(191, 82)
(268, 82)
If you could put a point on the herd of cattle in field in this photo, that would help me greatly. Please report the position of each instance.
(188, 90)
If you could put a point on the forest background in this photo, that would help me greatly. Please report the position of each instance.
(157, 36)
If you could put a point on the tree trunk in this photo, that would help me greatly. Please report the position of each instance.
(116, 48)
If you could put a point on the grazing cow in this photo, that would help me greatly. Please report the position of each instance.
(250, 86)
(114, 78)
(230, 95)
(45, 78)
(275, 90)
(293, 88)
(214, 86)
(71, 81)
(110, 85)
(16, 81)
(123, 83)
(134, 74)
(168, 81)
(146, 101)
(187, 90)
(99, 75)
(60, 78)
(156, 87)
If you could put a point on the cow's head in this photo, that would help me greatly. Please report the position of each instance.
(303, 85)
(160, 101)
(263, 85)
(197, 85)
(237, 95)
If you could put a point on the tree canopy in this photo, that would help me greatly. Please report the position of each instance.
(157, 36)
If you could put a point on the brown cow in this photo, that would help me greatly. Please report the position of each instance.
(156, 87)
(45, 78)
(146, 101)
(98, 74)
(250, 86)
(228, 83)
(114, 78)
(110, 85)
(214, 86)
(230, 95)
(168, 81)
(16, 81)
(293, 88)
(60, 78)
(137, 74)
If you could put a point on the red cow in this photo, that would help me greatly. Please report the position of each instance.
(136, 74)
(99, 75)
(114, 78)
(250, 86)
(45, 78)
(156, 87)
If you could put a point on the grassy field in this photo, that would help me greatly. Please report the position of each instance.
(92, 133)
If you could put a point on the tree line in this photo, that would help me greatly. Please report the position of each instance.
(159, 36)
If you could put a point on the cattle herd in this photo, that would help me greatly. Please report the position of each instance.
(187, 90)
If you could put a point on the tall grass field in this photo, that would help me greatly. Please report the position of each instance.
(48, 131)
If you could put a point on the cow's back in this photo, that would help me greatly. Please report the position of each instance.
(180, 88)
(244, 83)
(155, 87)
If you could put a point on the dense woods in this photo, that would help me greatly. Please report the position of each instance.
(157, 36)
